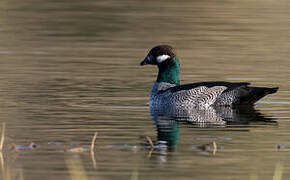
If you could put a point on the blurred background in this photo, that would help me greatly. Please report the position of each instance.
(71, 68)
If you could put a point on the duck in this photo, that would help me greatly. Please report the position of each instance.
(167, 93)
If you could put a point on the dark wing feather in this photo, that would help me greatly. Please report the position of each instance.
(229, 85)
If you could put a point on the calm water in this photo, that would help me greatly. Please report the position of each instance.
(70, 68)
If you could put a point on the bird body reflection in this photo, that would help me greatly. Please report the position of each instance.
(204, 117)
(167, 122)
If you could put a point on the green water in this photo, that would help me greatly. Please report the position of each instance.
(71, 68)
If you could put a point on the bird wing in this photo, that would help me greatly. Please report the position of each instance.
(199, 96)
(218, 93)
(229, 85)
(203, 93)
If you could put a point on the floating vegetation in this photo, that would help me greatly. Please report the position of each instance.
(76, 168)
(78, 150)
(54, 143)
(160, 146)
(17, 148)
(208, 148)
(283, 146)
(91, 149)
(85, 149)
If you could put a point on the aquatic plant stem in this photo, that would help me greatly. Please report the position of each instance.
(150, 142)
(93, 141)
(214, 147)
(92, 150)
(2, 136)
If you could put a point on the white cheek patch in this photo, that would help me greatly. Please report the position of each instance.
(162, 58)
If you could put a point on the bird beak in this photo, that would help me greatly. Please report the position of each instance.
(143, 62)
(147, 60)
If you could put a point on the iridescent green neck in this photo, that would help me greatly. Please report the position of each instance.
(169, 71)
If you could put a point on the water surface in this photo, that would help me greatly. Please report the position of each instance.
(70, 68)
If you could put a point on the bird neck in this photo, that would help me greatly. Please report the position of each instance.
(169, 71)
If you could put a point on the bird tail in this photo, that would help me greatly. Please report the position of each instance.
(256, 93)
